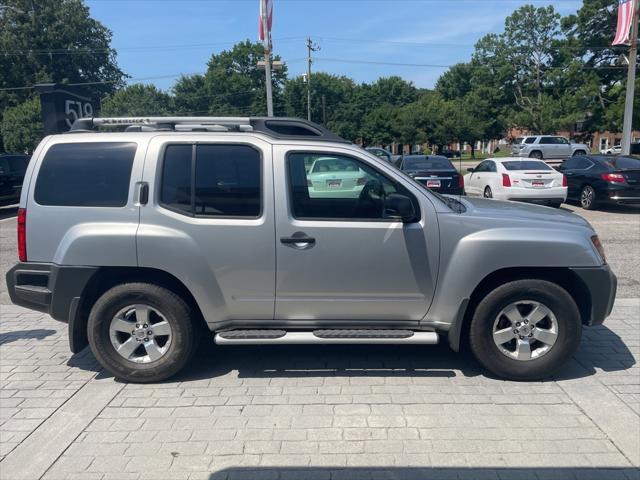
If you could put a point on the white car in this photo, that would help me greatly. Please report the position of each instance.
(513, 178)
(615, 150)
(331, 177)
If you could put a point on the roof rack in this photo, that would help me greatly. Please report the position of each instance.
(280, 128)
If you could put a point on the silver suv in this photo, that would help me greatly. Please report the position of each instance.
(547, 147)
(175, 230)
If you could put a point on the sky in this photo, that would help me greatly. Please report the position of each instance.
(157, 40)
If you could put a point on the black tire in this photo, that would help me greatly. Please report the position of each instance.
(550, 294)
(579, 152)
(487, 192)
(588, 198)
(536, 154)
(174, 309)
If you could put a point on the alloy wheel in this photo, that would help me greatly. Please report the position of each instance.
(525, 330)
(587, 196)
(140, 333)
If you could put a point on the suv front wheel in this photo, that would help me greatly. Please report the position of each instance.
(141, 332)
(525, 329)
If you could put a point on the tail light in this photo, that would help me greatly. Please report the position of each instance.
(565, 183)
(506, 180)
(598, 244)
(460, 181)
(362, 181)
(613, 177)
(22, 234)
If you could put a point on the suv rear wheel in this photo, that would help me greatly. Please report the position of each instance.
(141, 332)
(525, 329)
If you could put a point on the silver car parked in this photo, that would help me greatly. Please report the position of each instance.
(147, 239)
(547, 147)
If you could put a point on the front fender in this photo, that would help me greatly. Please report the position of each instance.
(471, 253)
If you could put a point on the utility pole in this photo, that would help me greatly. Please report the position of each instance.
(311, 47)
(267, 57)
(631, 83)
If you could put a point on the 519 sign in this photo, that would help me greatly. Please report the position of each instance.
(75, 109)
(64, 104)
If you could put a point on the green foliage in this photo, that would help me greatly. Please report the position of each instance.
(233, 84)
(21, 126)
(137, 99)
(31, 34)
(543, 73)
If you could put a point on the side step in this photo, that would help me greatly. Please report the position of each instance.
(326, 336)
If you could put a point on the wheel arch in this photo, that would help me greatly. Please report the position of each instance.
(108, 277)
(567, 279)
(536, 150)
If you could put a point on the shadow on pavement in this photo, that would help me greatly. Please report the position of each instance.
(435, 361)
(288, 361)
(408, 473)
(38, 334)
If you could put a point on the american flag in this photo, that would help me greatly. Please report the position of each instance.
(262, 31)
(625, 17)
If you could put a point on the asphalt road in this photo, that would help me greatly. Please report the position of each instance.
(618, 228)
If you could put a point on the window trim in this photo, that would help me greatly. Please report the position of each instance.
(43, 157)
(414, 199)
(194, 145)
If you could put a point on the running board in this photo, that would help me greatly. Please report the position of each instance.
(325, 336)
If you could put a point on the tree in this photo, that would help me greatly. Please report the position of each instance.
(233, 84)
(21, 126)
(522, 60)
(336, 91)
(189, 96)
(599, 79)
(53, 41)
(138, 99)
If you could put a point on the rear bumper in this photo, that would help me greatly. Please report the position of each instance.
(628, 196)
(601, 284)
(534, 195)
(48, 288)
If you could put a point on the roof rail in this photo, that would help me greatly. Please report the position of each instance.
(275, 127)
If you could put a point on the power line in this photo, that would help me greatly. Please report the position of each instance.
(73, 51)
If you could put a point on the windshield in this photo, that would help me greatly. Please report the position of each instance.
(625, 163)
(333, 165)
(512, 165)
(427, 163)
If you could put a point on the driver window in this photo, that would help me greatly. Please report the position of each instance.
(328, 186)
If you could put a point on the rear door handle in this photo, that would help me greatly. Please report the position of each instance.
(294, 240)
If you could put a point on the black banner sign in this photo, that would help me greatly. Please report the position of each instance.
(63, 104)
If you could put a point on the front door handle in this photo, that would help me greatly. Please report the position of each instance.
(300, 239)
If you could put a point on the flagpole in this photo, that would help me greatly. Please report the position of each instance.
(631, 82)
(267, 57)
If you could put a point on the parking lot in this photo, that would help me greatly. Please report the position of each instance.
(339, 412)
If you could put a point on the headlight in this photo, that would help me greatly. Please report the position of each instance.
(598, 244)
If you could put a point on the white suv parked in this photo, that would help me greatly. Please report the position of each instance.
(548, 147)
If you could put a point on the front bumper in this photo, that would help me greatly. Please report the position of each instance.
(601, 284)
(48, 288)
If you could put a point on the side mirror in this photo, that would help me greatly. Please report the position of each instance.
(399, 207)
(470, 169)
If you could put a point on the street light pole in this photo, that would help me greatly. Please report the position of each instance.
(267, 58)
(631, 83)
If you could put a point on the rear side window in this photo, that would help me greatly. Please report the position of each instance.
(86, 175)
(212, 180)
(513, 165)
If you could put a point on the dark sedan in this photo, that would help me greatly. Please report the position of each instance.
(12, 169)
(598, 179)
(434, 172)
